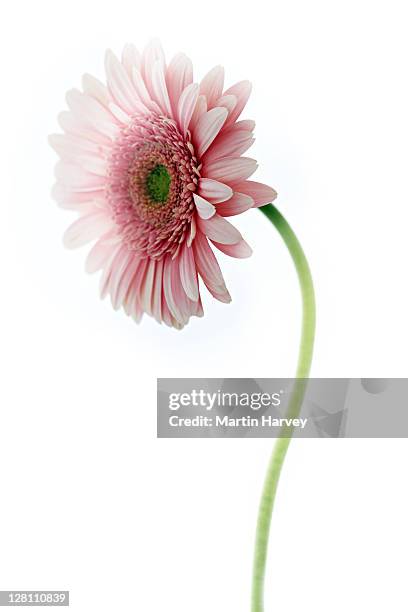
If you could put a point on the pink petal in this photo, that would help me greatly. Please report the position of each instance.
(242, 91)
(89, 111)
(230, 169)
(186, 306)
(208, 268)
(204, 208)
(166, 315)
(200, 109)
(130, 59)
(188, 273)
(67, 198)
(121, 277)
(222, 297)
(77, 179)
(152, 52)
(93, 164)
(231, 144)
(120, 114)
(94, 88)
(131, 303)
(86, 208)
(119, 83)
(104, 281)
(119, 266)
(236, 205)
(86, 228)
(213, 190)
(141, 90)
(193, 231)
(73, 125)
(99, 254)
(212, 84)
(157, 292)
(240, 250)
(245, 124)
(126, 281)
(170, 288)
(179, 74)
(260, 193)
(207, 128)
(70, 147)
(219, 229)
(228, 102)
(146, 288)
(159, 87)
(186, 106)
(136, 311)
(196, 308)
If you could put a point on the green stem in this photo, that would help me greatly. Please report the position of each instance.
(295, 402)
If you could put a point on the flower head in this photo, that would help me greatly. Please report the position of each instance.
(153, 165)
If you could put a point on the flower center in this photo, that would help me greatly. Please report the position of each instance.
(153, 173)
(158, 184)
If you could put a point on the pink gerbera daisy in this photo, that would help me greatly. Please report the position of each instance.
(153, 164)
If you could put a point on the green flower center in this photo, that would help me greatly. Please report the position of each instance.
(158, 184)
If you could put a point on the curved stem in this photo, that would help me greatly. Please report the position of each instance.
(295, 402)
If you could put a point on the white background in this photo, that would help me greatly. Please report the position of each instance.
(90, 500)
